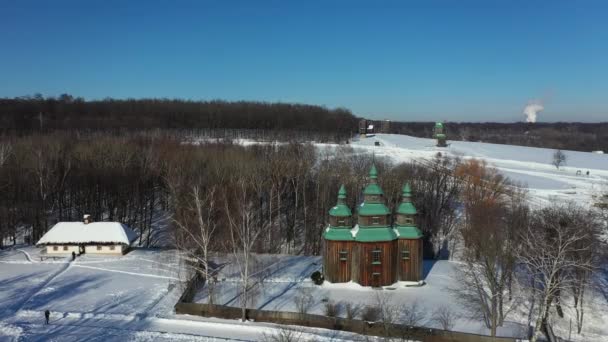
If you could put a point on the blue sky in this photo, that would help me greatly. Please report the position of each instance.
(424, 60)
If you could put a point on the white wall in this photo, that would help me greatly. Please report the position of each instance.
(61, 250)
(92, 249)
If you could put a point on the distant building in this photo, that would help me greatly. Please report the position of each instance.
(385, 126)
(439, 134)
(365, 127)
(88, 237)
(382, 247)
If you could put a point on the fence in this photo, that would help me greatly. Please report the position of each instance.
(334, 323)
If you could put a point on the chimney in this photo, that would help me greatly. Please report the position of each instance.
(87, 219)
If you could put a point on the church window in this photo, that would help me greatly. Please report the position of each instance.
(405, 254)
(376, 256)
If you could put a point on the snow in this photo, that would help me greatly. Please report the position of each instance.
(278, 279)
(354, 231)
(528, 167)
(100, 298)
(95, 232)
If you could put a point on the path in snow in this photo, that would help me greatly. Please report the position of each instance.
(27, 255)
(116, 328)
(37, 289)
(125, 272)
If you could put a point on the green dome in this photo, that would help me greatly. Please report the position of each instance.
(406, 208)
(375, 234)
(406, 191)
(373, 189)
(439, 125)
(337, 234)
(408, 232)
(340, 210)
(373, 173)
(342, 192)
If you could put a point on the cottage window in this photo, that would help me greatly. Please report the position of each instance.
(343, 255)
(405, 254)
(65, 248)
(98, 248)
(376, 256)
(112, 247)
(375, 220)
(55, 248)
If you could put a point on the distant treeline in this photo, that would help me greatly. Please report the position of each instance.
(559, 135)
(30, 114)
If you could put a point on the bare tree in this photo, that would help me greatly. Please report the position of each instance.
(413, 315)
(5, 152)
(444, 317)
(554, 248)
(352, 310)
(304, 300)
(559, 158)
(389, 312)
(489, 245)
(197, 238)
(244, 234)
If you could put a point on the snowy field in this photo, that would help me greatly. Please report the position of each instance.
(128, 298)
(531, 167)
(278, 280)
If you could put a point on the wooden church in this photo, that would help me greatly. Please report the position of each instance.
(381, 248)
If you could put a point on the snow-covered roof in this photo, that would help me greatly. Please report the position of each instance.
(95, 232)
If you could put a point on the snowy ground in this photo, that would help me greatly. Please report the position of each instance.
(128, 298)
(529, 166)
(279, 279)
(282, 278)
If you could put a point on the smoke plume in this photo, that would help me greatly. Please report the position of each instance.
(532, 109)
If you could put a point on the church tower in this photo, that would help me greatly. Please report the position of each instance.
(409, 244)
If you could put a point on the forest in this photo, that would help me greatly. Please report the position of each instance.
(25, 115)
(267, 121)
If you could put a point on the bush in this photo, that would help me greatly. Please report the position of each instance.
(370, 314)
(304, 300)
(352, 310)
(333, 309)
(317, 278)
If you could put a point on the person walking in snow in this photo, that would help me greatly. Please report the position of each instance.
(47, 315)
(73, 255)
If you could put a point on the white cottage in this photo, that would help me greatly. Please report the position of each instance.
(88, 237)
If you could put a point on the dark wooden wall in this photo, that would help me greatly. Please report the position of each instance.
(410, 270)
(336, 270)
(386, 267)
